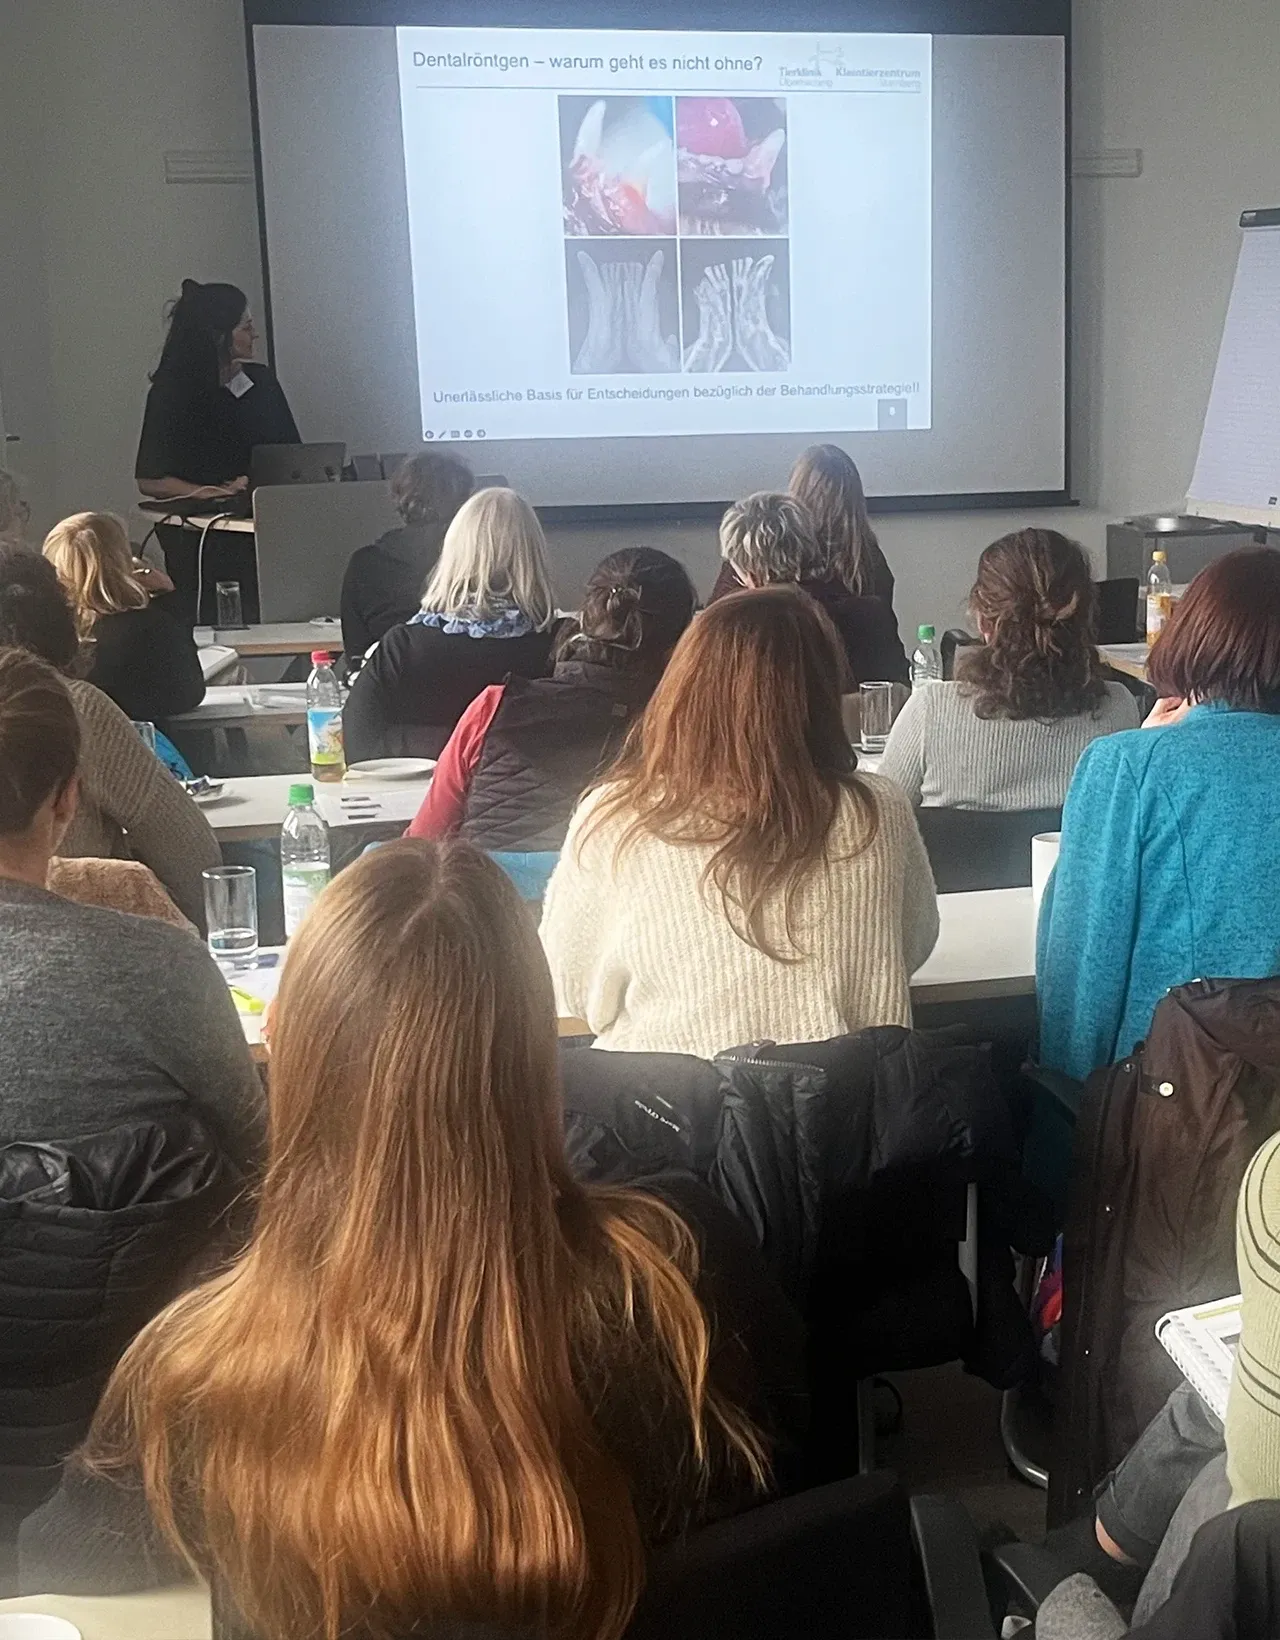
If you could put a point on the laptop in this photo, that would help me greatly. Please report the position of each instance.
(296, 464)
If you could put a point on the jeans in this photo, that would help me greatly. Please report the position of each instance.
(1171, 1481)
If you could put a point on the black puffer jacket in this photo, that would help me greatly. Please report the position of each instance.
(96, 1235)
(850, 1160)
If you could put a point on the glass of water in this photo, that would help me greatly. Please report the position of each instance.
(230, 613)
(147, 735)
(231, 912)
(877, 704)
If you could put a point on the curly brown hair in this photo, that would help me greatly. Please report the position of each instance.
(1036, 604)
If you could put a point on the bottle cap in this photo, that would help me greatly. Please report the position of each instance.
(321, 657)
(1159, 557)
(303, 793)
(925, 634)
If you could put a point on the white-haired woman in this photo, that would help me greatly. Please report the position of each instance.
(487, 612)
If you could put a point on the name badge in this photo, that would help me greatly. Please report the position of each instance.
(239, 384)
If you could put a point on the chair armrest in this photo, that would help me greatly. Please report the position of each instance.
(1029, 1572)
(947, 1546)
(1056, 1087)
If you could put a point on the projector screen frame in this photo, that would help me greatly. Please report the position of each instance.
(938, 17)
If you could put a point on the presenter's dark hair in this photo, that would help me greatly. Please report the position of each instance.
(198, 343)
(636, 607)
(39, 739)
(1036, 604)
(35, 612)
(1222, 642)
(429, 488)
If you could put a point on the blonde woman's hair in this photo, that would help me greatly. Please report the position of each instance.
(494, 556)
(94, 561)
(385, 1411)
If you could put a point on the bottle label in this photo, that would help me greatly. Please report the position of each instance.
(304, 882)
(1159, 606)
(324, 734)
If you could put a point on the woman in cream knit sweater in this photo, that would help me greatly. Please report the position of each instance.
(734, 879)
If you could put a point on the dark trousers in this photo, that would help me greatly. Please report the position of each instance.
(228, 555)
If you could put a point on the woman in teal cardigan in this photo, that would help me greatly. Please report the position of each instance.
(1170, 861)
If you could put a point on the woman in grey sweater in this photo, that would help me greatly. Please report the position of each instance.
(104, 1018)
(130, 806)
(1007, 734)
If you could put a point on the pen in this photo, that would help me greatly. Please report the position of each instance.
(247, 1003)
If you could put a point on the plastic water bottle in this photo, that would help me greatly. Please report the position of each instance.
(304, 856)
(324, 720)
(1159, 595)
(926, 663)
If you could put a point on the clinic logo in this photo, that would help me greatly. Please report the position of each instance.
(818, 71)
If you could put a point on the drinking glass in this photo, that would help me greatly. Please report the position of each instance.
(230, 614)
(231, 911)
(147, 735)
(877, 704)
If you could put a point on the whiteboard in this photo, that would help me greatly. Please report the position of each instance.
(1237, 474)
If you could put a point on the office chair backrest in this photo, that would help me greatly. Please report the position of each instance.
(833, 1563)
(1118, 610)
(974, 849)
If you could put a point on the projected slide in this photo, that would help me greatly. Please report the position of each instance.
(618, 233)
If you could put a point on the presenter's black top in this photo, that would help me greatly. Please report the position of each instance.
(147, 662)
(205, 437)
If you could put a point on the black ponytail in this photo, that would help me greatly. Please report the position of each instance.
(199, 340)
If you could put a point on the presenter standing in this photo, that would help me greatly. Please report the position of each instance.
(209, 405)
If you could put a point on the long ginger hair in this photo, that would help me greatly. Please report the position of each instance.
(383, 1412)
(743, 746)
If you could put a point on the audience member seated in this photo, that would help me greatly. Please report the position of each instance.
(734, 879)
(1185, 1468)
(445, 1382)
(104, 1018)
(1171, 833)
(525, 750)
(15, 514)
(130, 806)
(384, 581)
(1007, 734)
(826, 482)
(769, 540)
(487, 612)
(138, 654)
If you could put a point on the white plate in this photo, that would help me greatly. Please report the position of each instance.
(36, 1626)
(392, 768)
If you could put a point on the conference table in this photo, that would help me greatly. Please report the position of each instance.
(242, 706)
(251, 809)
(1129, 658)
(276, 637)
(986, 949)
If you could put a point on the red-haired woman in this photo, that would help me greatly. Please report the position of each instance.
(1170, 863)
(735, 878)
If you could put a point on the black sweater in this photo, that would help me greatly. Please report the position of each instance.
(205, 435)
(147, 663)
(420, 680)
(383, 584)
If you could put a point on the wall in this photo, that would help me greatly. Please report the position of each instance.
(1188, 83)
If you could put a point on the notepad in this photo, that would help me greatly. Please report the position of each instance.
(1202, 1342)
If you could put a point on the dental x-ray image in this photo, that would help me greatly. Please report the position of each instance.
(618, 165)
(624, 306)
(737, 305)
